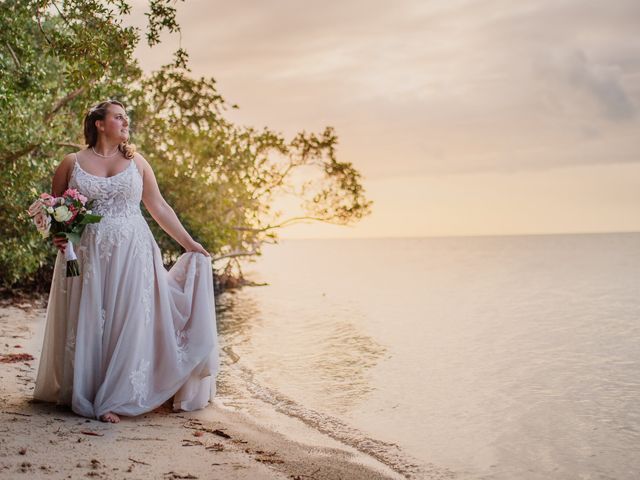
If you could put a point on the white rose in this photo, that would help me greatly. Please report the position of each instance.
(50, 209)
(62, 213)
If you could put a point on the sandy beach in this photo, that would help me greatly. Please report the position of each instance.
(42, 440)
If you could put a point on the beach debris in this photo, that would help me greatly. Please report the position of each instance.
(220, 433)
(95, 463)
(216, 447)
(299, 477)
(22, 451)
(175, 476)
(268, 460)
(16, 413)
(198, 433)
(262, 452)
(264, 457)
(138, 461)
(92, 433)
(144, 439)
(190, 443)
(197, 425)
(25, 467)
(15, 357)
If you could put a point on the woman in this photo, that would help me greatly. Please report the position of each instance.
(126, 335)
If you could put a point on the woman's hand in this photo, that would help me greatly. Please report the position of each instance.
(194, 246)
(60, 243)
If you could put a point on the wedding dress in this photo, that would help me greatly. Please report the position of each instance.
(127, 335)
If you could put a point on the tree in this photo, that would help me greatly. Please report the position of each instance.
(56, 58)
(233, 174)
(220, 178)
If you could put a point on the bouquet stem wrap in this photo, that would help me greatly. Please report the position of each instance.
(73, 269)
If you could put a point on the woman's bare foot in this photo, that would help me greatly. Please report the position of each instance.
(110, 417)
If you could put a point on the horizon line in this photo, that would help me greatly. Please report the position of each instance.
(465, 235)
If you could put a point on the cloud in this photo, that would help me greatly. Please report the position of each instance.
(603, 84)
(422, 87)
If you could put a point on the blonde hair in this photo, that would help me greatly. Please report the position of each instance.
(99, 112)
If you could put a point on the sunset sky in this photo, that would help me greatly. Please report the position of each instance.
(464, 117)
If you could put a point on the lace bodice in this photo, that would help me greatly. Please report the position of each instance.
(115, 196)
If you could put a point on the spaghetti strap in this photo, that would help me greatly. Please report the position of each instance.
(73, 169)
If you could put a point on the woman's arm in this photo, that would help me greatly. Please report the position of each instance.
(162, 212)
(60, 180)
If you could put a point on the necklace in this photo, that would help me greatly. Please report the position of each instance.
(104, 156)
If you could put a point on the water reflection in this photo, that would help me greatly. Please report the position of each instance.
(237, 315)
(321, 359)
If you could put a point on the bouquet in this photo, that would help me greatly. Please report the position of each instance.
(64, 217)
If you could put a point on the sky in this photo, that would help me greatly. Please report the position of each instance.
(464, 117)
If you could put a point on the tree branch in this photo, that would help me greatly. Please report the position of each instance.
(40, 25)
(13, 55)
(235, 253)
(64, 101)
(9, 157)
(73, 145)
(289, 221)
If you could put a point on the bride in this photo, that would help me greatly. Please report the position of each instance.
(126, 335)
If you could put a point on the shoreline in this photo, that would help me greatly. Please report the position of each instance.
(42, 440)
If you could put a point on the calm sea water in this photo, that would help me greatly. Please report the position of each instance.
(512, 357)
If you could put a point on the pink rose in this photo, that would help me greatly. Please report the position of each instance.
(43, 223)
(47, 199)
(35, 208)
(73, 193)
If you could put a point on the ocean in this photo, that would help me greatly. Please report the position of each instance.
(504, 357)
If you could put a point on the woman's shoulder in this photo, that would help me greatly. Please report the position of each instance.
(63, 172)
(68, 161)
(139, 160)
(138, 156)
(141, 163)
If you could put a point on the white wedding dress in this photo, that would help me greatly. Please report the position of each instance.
(127, 335)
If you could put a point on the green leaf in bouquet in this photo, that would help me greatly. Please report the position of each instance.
(73, 237)
(90, 218)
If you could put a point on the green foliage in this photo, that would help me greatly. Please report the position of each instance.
(57, 58)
